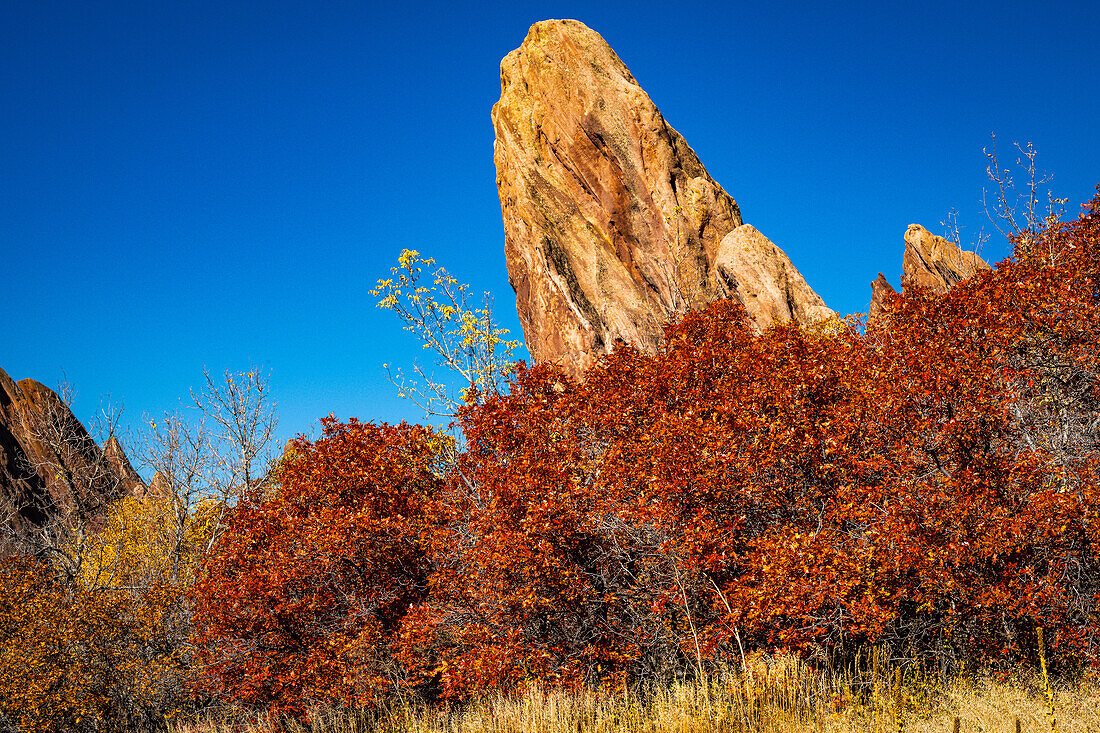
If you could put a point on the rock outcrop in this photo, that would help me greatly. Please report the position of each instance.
(120, 465)
(23, 495)
(929, 261)
(49, 464)
(749, 267)
(936, 263)
(612, 224)
(881, 289)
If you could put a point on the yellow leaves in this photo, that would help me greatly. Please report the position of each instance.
(148, 540)
(407, 257)
(463, 338)
(68, 653)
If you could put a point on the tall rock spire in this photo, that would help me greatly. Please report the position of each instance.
(612, 224)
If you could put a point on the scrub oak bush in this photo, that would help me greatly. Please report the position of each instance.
(74, 658)
(303, 596)
(929, 482)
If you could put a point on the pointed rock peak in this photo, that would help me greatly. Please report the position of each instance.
(612, 224)
(160, 486)
(113, 446)
(39, 401)
(47, 458)
(120, 464)
(881, 289)
(750, 267)
(936, 263)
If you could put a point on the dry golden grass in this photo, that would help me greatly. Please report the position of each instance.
(775, 695)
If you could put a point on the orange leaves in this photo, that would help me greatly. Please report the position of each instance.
(931, 482)
(920, 460)
(76, 659)
(306, 589)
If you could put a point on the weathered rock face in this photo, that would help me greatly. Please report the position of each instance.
(929, 261)
(120, 464)
(49, 463)
(612, 224)
(749, 267)
(22, 489)
(936, 263)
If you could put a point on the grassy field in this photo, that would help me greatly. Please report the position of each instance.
(773, 695)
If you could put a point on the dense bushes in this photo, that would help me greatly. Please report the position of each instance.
(95, 603)
(303, 598)
(930, 482)
(73, 658)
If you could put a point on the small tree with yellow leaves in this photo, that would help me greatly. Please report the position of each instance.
(151, 541)
(436, 308)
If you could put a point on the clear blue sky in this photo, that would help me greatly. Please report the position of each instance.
(220, 183)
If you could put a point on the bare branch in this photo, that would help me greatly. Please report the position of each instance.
(1017, 210)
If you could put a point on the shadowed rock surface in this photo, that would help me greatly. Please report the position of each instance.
(22, 489)
(50, 467)
(612, 224)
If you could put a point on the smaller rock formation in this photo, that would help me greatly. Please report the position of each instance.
(936, 263)
(160, 486)
(752, 269)
(50, 467)
(929, 261)
(120, 464)
(880, 291)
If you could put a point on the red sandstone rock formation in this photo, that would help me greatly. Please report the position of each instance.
(749, 267)
(880, 290)
(116, 457)
(929, 261)
(50, 467)
(612, 224)
(936, 263)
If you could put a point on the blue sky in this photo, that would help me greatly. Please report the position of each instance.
(220, 184)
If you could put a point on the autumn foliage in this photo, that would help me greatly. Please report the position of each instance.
(74, 658)
(303, 599)
(930, 482)
(95, 609)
